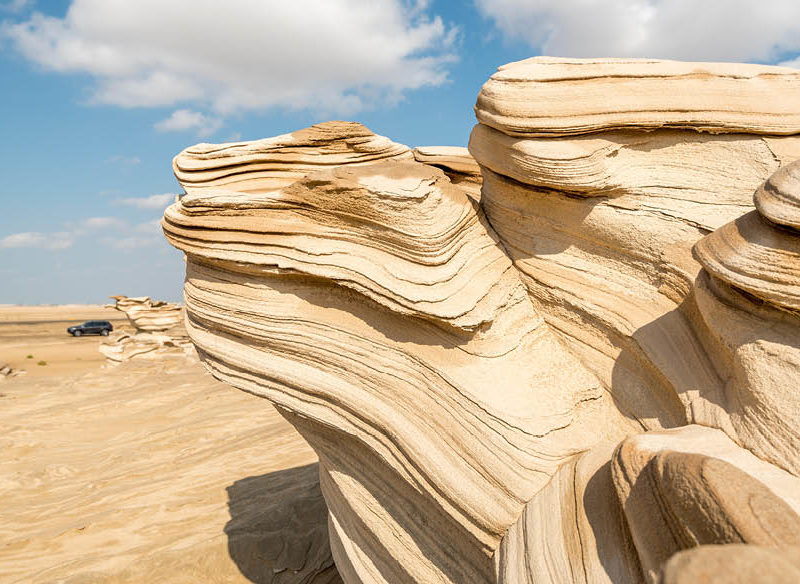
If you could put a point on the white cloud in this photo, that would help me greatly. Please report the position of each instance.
(184, 119)
(332, 56)
(102, 222)
(151, 202)
(125, 160)
(149, 227)
(132, 242)
(35, 239)
(793, 63)
(708, 30)
(109, 231)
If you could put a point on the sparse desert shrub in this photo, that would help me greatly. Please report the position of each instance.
(29, 357)
(42, 363)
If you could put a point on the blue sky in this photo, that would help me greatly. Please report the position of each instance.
(99, 95)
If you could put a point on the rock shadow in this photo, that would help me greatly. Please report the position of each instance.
(278, 531)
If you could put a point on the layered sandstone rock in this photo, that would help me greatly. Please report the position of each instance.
(538, 381)
(546, 96)
(148, 315)
(457, 163)
(425, 462)
(159, 331)
(266, 165)
(733, 564)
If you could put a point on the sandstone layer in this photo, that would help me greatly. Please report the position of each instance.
(549, 379)
(545, 96)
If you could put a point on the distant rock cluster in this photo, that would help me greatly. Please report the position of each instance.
(158, 331)
(570, 354)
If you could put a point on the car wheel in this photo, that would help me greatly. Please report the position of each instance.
(77, 333)
(104, 332)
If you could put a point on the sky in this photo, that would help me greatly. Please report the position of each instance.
(97, 96)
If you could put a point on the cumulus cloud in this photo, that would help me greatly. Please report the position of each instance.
(124, 235)
(36, 239)
(336, 56)
(184, 119)
(151, 202)
(132, 242)
(711, 30)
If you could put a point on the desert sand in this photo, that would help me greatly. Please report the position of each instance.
(150, 471)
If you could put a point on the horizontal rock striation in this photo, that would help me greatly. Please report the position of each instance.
(546, 96)
(265, 165)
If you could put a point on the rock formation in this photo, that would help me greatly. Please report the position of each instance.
(158, 330)
(524, 373)
(148, 315)
(7, 371)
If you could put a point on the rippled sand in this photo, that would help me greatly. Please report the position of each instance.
(147, 472)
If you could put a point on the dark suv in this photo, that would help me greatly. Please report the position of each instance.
(92, 327)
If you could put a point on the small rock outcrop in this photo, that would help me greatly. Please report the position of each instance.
(567, 355)
(6, 371)
(158, 330)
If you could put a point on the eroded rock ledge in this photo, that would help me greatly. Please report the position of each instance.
(514, 368)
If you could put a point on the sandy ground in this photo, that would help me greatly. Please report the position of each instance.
(147, 472)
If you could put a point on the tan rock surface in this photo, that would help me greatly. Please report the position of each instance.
(148, 315)
(415, 439)
(778, 199)
(548, 96)
(264, 165)
(148, 472)
(435, 261)
(733, 564)
(159, 331)
(693, 486)
(457, 163)
(464, 365)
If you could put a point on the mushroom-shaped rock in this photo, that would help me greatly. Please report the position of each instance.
(265, 165)
(760, 251)
(546, 96)
(778, 199)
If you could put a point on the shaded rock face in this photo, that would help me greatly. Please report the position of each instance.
(512, 365)
(159, 331)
